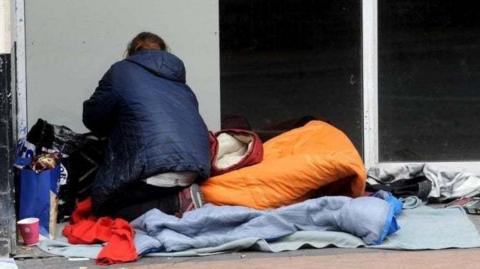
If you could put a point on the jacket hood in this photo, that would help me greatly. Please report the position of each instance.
(161, 63)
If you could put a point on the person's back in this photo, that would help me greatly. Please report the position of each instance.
(151, 119)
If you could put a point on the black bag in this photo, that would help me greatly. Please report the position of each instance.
(81, 157)
(418, 186)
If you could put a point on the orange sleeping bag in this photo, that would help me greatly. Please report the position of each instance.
(316, 159)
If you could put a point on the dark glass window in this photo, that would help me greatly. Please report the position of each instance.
(284, 62)
(429, 80)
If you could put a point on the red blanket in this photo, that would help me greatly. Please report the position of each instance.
(85, 228)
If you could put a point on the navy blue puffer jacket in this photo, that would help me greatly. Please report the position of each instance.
(151, 119)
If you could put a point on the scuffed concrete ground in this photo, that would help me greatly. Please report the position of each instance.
(321, 258)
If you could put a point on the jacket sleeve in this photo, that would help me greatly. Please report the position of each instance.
(100, 110)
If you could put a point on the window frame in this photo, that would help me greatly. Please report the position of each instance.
(20, 75)
(370, 81)
(370, 95)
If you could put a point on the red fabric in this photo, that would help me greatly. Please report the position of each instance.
(85, 228)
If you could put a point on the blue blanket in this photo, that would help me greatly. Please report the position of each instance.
(368, 218)
(422, 228)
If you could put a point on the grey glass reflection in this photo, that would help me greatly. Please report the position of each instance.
(291, 60)
(429, 80)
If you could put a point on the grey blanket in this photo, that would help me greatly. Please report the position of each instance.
(368, 218)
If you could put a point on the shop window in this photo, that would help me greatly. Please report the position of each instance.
(284, 62)
(429, 80)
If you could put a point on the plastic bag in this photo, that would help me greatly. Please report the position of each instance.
(50, 137)
(37, 197)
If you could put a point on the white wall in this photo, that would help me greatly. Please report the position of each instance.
(5, 26)
(71, 43)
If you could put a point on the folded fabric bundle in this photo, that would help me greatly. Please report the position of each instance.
(85, 228)
(369, 218)
(444, 182)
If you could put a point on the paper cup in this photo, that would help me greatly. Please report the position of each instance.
(29, 229)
